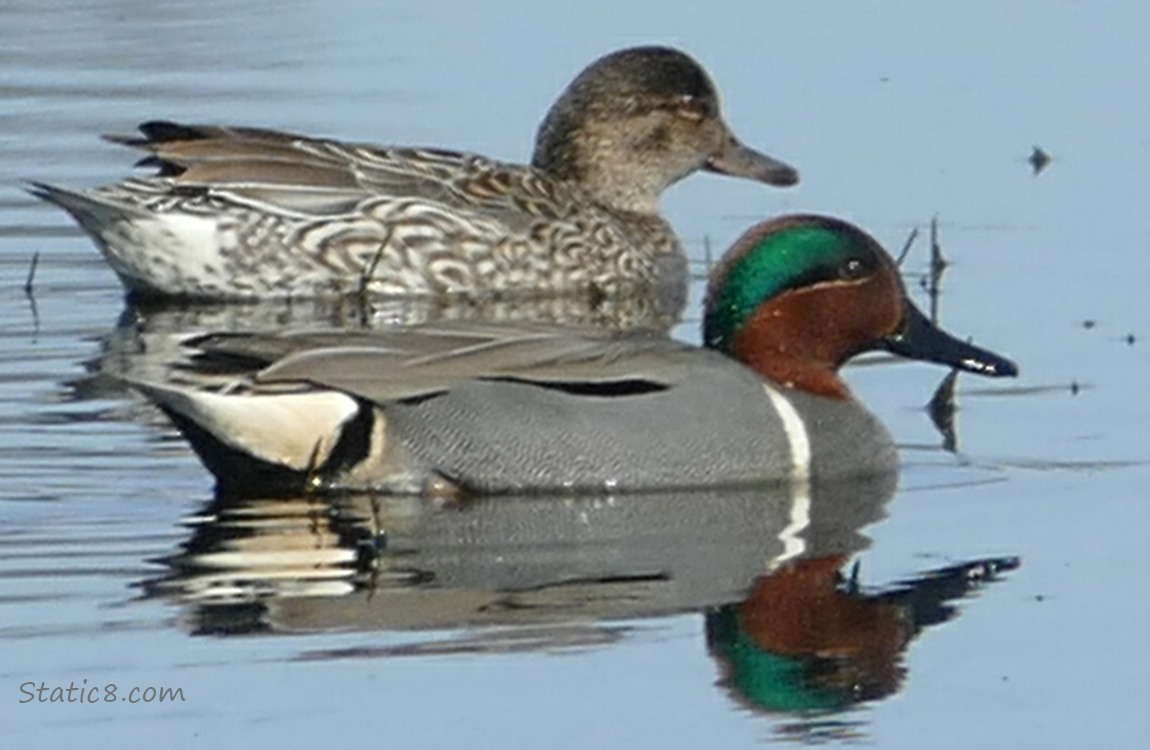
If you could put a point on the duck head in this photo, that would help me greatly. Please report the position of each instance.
(798, 296)
(637, 121)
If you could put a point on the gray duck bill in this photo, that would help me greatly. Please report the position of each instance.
(738, 160)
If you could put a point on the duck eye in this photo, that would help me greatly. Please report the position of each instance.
(853, 269)
(692, 107)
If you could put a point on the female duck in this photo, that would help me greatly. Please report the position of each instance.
(244, 213)
(496, 409)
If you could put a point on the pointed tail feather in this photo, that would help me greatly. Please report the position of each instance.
(84, 206)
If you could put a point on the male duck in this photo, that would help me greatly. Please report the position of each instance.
(496, 409)
(245, 213)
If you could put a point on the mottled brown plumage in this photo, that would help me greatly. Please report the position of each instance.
(248, 213)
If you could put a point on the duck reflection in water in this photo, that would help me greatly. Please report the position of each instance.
(808, 639)
(790, 634)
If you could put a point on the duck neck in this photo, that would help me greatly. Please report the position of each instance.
(584, 156)
(793, 345)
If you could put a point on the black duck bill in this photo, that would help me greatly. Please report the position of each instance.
(918, 338)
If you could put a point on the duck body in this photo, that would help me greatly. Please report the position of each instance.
(390, 222)
(500, 409)
(246, 213)
(742, 430)
(508, 410)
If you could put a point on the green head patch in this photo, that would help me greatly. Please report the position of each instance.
(770, 262)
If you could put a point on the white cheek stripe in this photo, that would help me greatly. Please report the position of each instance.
(800, 480)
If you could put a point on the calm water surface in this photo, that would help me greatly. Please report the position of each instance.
(540, 622)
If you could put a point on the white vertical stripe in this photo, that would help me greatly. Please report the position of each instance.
(796, 431)
(800, 479)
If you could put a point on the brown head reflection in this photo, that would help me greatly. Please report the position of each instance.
(808, 639)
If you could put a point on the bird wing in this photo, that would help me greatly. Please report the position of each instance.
(386, 366)
(282, 172)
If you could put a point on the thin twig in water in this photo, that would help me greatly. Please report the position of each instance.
(369, 270)
(365, 280)
(906, 246)
(703, 272)
(312, 478)
(942, 408)
(938, 265)
(30, 291)
(30, 281)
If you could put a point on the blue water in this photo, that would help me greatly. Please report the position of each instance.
(893, 112)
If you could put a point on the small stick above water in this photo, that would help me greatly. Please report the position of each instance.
(938, 265)
(910, 238)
